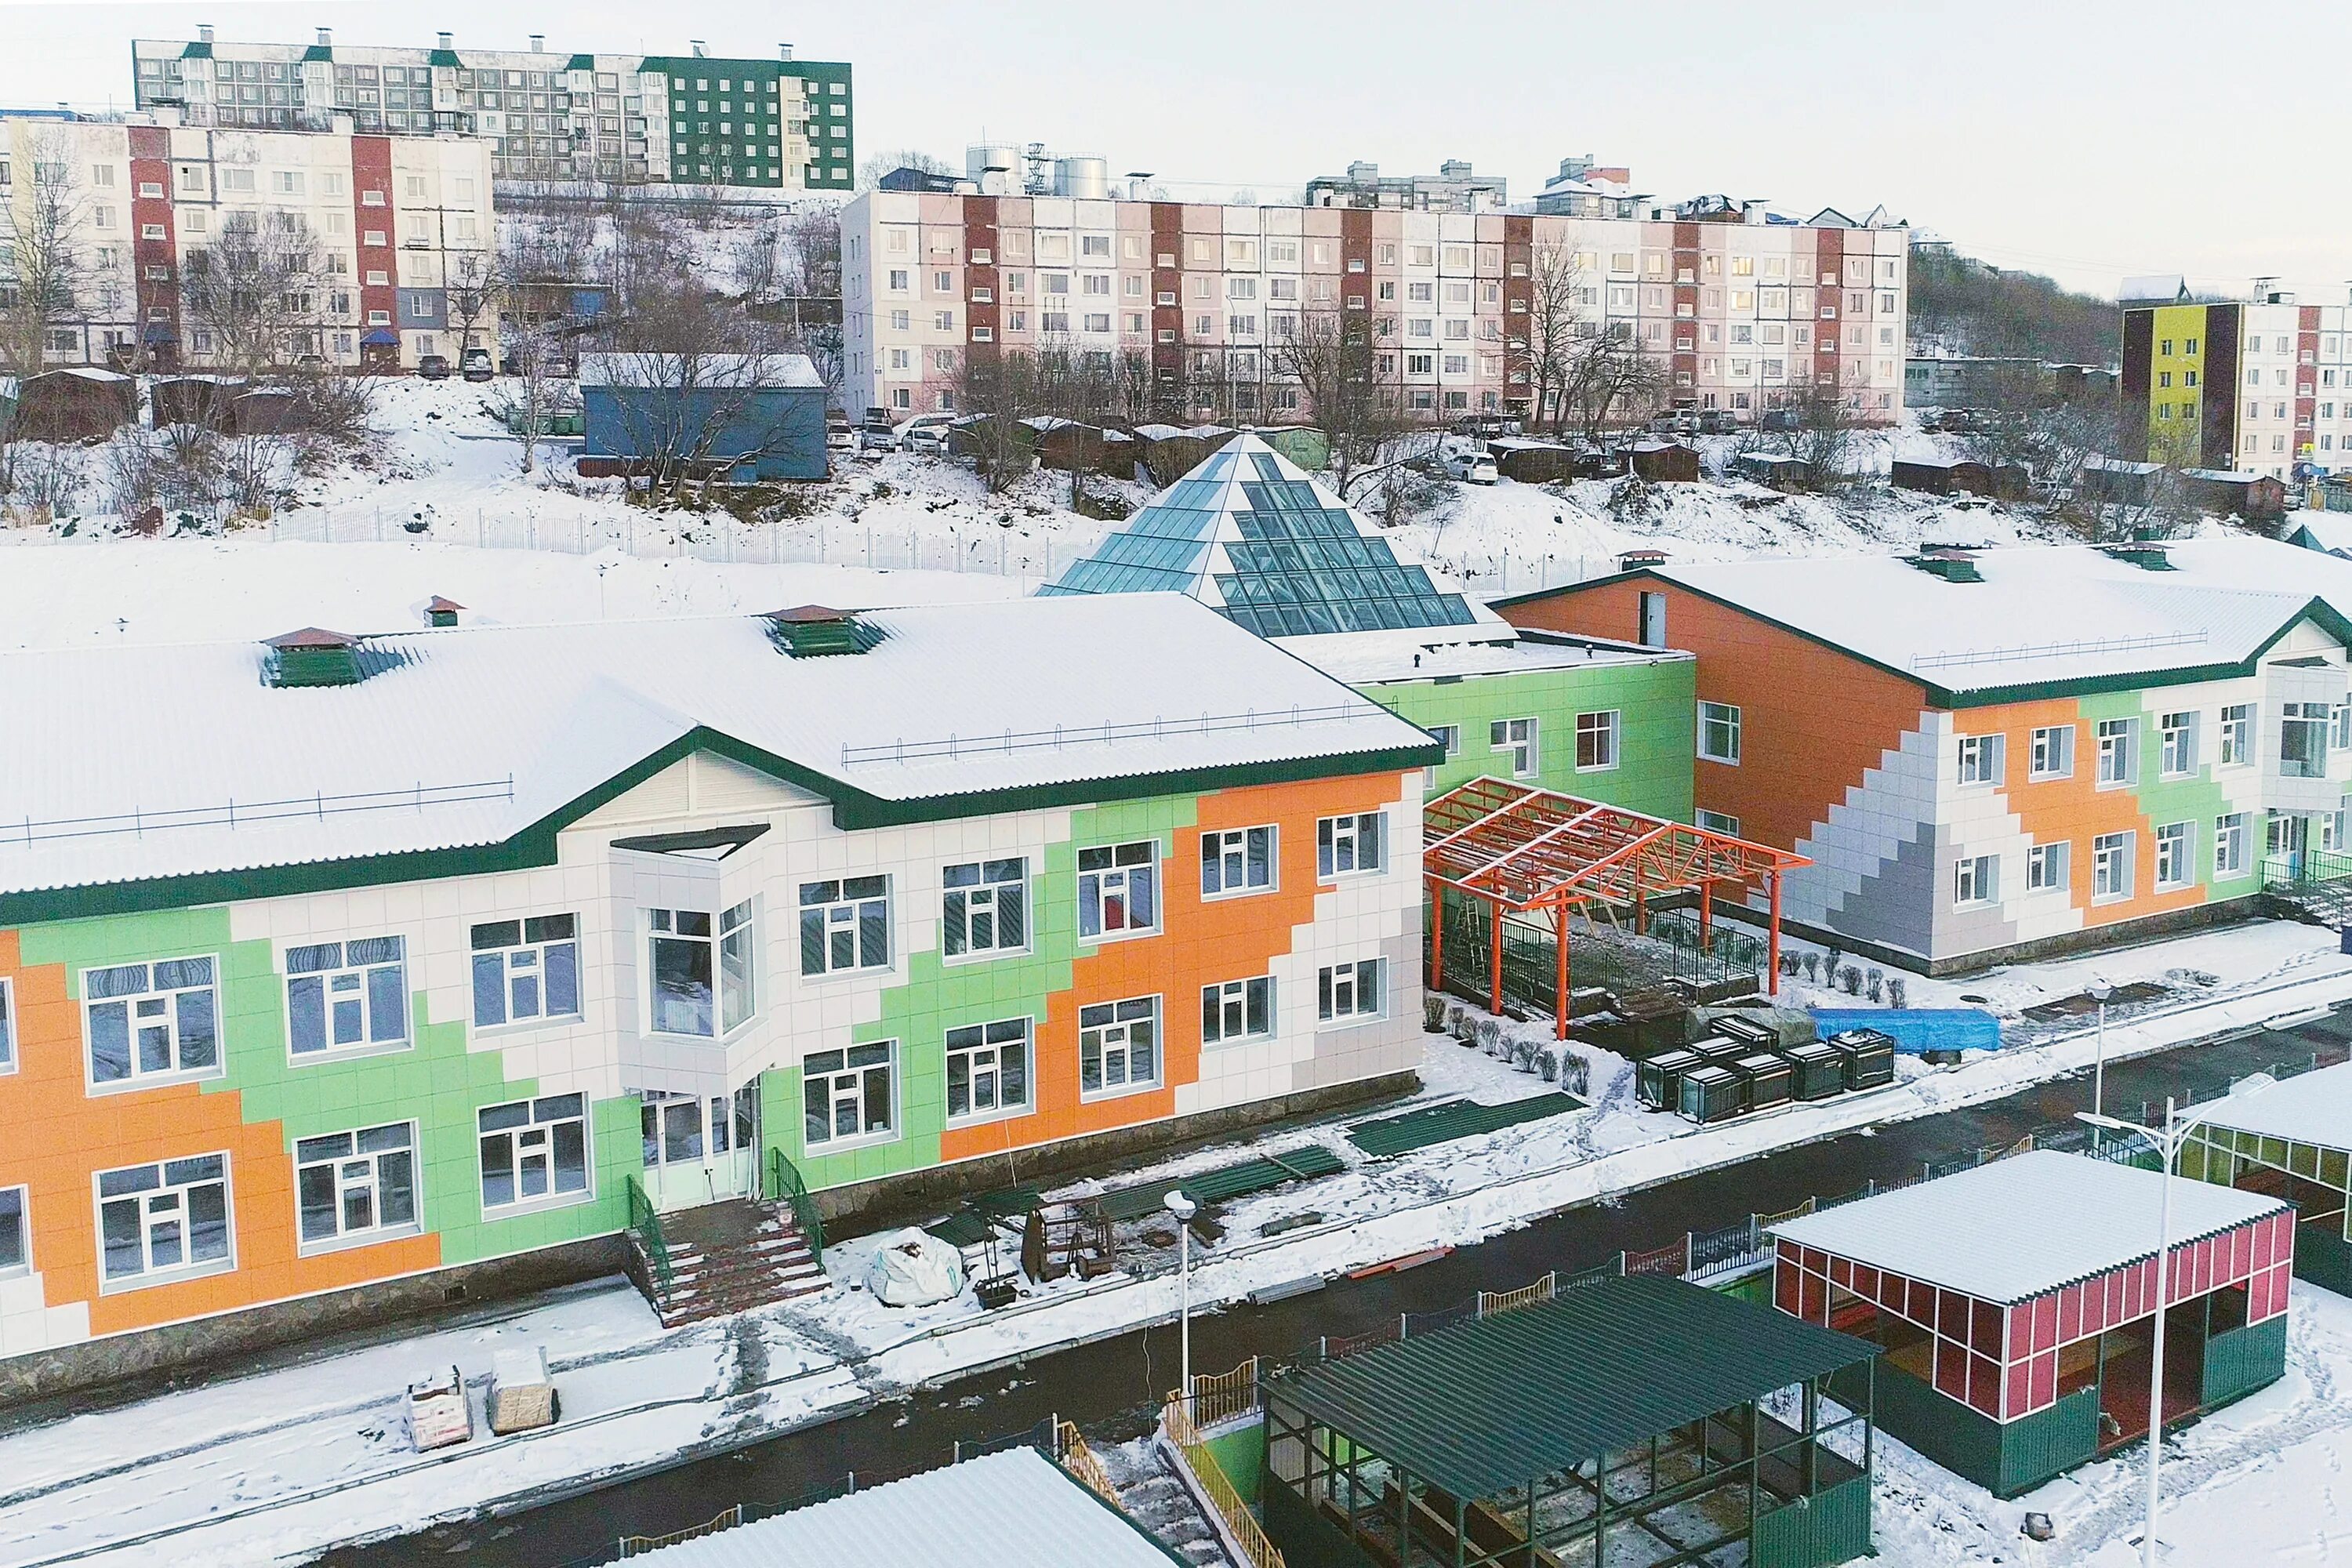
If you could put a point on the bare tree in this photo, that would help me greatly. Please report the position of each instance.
(44, 266)
(2021, 419)
(1000, 390)
(871, 169)
(1336, 361)
(256, 293)
(1609, 378)
(472, 287)
(1557, 325)
(533, 393)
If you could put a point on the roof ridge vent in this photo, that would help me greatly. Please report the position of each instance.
(313, 656)
(817, 631)
(2148, 554)
(1950, 562)
(442, 612)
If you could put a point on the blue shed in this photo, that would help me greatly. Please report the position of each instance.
(737, 416)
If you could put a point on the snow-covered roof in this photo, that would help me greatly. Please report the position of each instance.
(1254, 535)
(2164, 286)
(715, 372)
(1375, 660)
(2221, 476)
(2040, 614)
(1015, 1509)
(2313, 1108)
(2018, 1227)
(2329, 530)
(471, 736)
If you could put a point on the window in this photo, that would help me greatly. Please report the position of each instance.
(1980, 759)
(1119, 889)
(166, 1221)
(526, 968)
(845, 925)
(985, 907)
(16, 1240)
(7, 1026)
(2174, 868)
(2052, 755)
(848, 1095)
(1596, 741)
(2111, 866)
(2302, 740)
(1238, 861)
(1719, 733)
(2118, 752)
(2231, 843)
(688, 967)
(1448, 736)
(2340, 738)
(533, 1150)
(1515, 737)
(988, 1068)
(347, 995)
(1349, 991)
(1715, 822)
(2046, 867)
(356, 1186)
(152, 1020)
(1119, 1046)
(2178, 734)
(2237, 734)
(1237, 1010)
(1345, 844)
(1976, 880)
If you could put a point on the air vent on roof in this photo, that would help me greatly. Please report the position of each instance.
(313, 658)
(2149, 553)
(813, 631)
(1951, 565)
(441, 612)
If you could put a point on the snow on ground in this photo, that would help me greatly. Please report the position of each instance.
(275, 1466)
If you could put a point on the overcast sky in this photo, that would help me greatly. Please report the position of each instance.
(2086, 139)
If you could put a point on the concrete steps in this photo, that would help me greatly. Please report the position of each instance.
(726, 1256)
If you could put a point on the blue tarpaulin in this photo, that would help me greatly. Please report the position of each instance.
(1916, 1029)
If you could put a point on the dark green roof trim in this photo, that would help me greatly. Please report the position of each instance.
(580, 63)
(2316, 609)
(445, 57)
(535, 846)
(317, 52)
(198, 52)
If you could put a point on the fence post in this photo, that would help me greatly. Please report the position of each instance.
(379, 525)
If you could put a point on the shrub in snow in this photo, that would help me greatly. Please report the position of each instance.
(1548, 1063)
(1812, 967)
(1457, 1022)
(1895, 987)
(1490, 1037)
(1878, 978)
(1433, 1014)
(1851, 978)
(1523, 1055)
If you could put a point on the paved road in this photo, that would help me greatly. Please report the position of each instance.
(1111, 1389)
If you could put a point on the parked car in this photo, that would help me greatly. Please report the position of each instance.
(1777, 419)
(840, 439)
(878, 439)
(433, 367)
(1472, 467)
(476, 364)
(928, 440)
(1716, 422)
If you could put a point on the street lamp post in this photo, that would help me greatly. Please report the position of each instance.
(1183, 1208)
(2100, 991)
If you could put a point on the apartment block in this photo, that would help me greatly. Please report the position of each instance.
(1742, 311)
(2259, 386)
(390, 220)
(762, 127)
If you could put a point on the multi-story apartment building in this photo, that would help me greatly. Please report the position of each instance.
(390, 220)
(2009, 751)
(1741, 313)
(2261, 386)
(773, 127)
(676, 908)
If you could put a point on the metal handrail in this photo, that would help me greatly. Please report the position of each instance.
(1105, 733)
(645, 1223)
(234, 814)
(784, 1186)
(1201, 1461)
(1081, 1462)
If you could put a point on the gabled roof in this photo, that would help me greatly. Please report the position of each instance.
(1251, 534)
(2025, 1225)
(479, 744)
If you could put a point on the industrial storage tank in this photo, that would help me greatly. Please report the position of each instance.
(1088, 179)
(982, 156)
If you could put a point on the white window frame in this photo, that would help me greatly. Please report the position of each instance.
(7, 1025)
(348, 987)
(1448, 736)
(1520, 739)
(1605, 729)
(362, 1173)
(2176, 842)
(2237, 737)
(2118, 753)
(1721, 821)
(1107, 1026)
(980, 904)
(1341, 989)
(21, 1221)
(2113, 849)
(173, 1181)
(1976, 881)
(518, 971)
(1227, 1007)
(849, 919)
(1123, 871)
(2233, 845)
(170, 1016)
(1236, 862)
(2050, 754)
(533, 1141)
(983, 1052)
(1719, 720)
(1980, 760)
(1345, 839)
(2048, 866)
(2295, 717)
(845, 1072)
(2177, 745)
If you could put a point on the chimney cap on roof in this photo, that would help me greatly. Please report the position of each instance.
(313, 636)
(699, 46)
(808, 615)
(204, 32)
(326, 36)
(438, 603)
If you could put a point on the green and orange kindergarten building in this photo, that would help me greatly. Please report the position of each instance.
(408, 967)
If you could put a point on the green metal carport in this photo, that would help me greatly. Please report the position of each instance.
(1627, 1423)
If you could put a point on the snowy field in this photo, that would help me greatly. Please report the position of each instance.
(275, 1466)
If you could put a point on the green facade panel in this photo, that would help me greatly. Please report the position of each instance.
(2195, 798)
(2323, 1259)
(2239, 1362)
(2003, 1457)
(1240, 1452)
(1830, 1527)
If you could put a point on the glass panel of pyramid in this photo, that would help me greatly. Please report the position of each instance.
(1250, 533)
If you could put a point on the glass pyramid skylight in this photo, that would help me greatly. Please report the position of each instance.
(1251, 534)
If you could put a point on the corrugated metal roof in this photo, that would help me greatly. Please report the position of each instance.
(2018, 1227)
(1016, 1509)
(1491, 1405)
(147, 747)
(2313, 1108)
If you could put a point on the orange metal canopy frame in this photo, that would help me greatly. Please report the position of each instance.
(1516, 849)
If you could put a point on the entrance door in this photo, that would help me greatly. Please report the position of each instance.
(698, 1150)
(2289, 837)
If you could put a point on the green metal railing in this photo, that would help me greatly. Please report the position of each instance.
(784, 1186)
(2310, 868)
(645, 1223)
